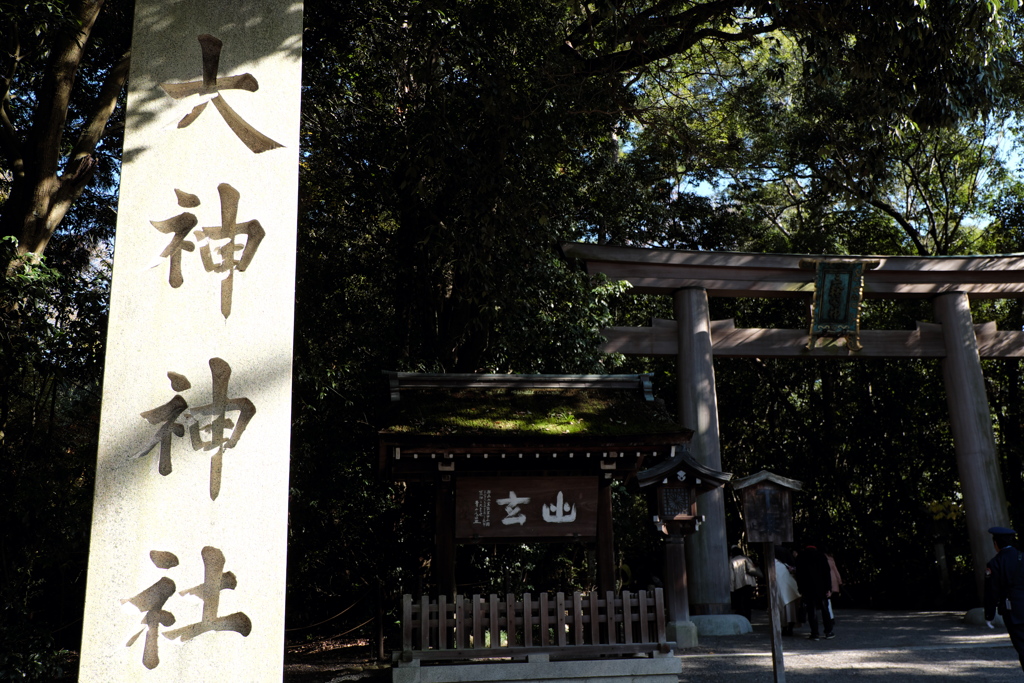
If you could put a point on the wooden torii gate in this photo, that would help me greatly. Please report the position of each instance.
(691, 277)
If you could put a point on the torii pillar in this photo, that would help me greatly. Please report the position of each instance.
(707, 550)
(971, 424)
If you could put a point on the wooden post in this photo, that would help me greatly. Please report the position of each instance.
(677, 599)
(774, 604)
(768, 515)
(605, 537)
(444, 552)
(708, 550)
(976, 459)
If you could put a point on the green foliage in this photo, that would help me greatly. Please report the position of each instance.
(448, 147)
(51, 342)
(528, 411)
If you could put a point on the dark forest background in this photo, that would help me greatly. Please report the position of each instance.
(448, 146)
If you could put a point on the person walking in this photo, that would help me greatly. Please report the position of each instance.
(814, 577)
(789, 596)
(743, 578)
(1004, 587)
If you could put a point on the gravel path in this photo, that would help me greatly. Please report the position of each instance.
(870, 646)
(918, 647)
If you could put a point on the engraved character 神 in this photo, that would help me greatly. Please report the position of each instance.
(209, 426)
(224, 257)
(168, 415)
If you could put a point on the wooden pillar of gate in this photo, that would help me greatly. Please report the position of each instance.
(605, 537)
(443, 563)
(677, 599)
(971, 423)
(707, 550)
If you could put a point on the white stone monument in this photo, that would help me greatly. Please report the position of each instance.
(187, 559)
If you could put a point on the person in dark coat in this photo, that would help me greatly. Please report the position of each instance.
(1004, 586)
(814, 577)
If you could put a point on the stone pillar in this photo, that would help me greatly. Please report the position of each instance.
(189, 532)
(977, 462)
(707, 550)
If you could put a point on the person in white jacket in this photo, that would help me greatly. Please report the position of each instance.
(789, 597)
(743, 578)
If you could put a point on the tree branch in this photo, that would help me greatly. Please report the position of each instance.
(624, 60)
(79, 169)
(51, 114)
(10, 145)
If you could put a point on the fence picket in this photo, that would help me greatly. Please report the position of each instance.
(407, 643)
(595, 619)
(425, 622)
(510, 619)
(494, 628)
(577, 618)
(460, 622)
(610, 617)
(478, 617)
(560, 617)
(659, 615)
(442, 622)
(627, 617)
(527, 620)
(545, 621)
(644, 616)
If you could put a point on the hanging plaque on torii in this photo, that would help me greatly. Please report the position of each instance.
(838, 294)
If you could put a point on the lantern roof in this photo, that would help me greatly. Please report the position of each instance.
(681, 467)
(765, 475)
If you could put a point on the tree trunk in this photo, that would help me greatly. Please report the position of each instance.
(41, 190)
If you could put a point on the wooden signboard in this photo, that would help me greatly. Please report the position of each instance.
(768, 513)
(517, 508)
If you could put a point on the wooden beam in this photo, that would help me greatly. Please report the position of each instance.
(791, 262)
(728, 341)
(731, 274)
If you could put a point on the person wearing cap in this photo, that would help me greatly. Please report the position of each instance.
(1004, 587)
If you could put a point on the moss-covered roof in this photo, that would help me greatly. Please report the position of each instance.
(526, 412)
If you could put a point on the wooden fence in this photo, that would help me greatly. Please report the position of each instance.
(574, 626)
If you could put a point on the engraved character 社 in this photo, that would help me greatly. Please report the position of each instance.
(151, 603)
(215, 580)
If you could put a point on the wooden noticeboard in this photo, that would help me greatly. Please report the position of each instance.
(768, 513)
(516, 508)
